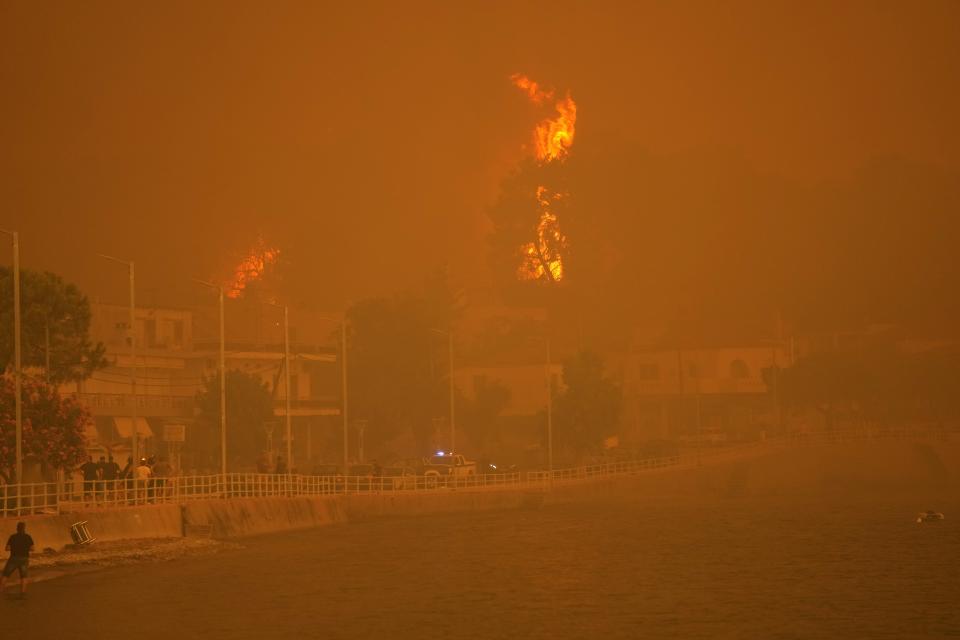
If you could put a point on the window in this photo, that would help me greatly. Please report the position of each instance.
(178, 333)
(150, 332)
(648, 371)
(739, 369)
(479, 382)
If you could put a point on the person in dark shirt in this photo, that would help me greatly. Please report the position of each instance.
(19, 545)
(110, 473)
(91, 473)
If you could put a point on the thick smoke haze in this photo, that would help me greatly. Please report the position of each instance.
(803, 153)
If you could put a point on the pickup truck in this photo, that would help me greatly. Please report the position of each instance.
(448, 464)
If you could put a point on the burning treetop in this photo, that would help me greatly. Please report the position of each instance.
(252, 267)
(542, 259)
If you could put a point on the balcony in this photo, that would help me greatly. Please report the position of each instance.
(113, 404)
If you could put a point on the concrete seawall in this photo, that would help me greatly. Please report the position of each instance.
(152, 521)
(252, 516)
(238, 517)
(883, 467)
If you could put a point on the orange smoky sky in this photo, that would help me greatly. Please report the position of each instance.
(367, 140)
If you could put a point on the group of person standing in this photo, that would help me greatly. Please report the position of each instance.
(105, 481)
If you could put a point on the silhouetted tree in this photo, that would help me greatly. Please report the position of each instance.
(53, 426)
(480, 415)
(249, 407)
(54, 313)
(873, 382)
(589, 408)
(398, 364)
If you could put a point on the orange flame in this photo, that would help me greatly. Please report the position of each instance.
(533, 90)
(252, 267)
(542, 259)
(553, 137)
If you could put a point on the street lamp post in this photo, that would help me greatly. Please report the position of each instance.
(286, 379)
(453, 421)
(223, 381)
(343, 378)
(548, 375)
(343, 382)
(17, 372)
(286, 382)
(133, 359)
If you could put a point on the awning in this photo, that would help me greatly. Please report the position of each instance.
(124, 431)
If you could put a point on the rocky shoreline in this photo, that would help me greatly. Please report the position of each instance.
(48, 565)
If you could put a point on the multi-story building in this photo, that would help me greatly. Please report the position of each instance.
(711, 392)
(177, 350)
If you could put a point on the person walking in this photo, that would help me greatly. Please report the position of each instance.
(142, 478)
(91, 474)
(110, 472)
(19, 545)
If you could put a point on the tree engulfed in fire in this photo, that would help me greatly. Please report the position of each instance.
(542, 259)
(252, 268)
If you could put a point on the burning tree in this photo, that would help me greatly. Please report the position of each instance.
(53, 426)
(256, 271)
(541, 259)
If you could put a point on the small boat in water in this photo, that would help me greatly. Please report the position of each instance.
(929, 516)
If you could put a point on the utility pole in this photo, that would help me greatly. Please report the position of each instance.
(681, 422)
(135, 435)
(17, 365)
(223, 390)
(343, 379)
(549, 411)
(286, 370)
(134, 453)
(222, 366)
(453, 421)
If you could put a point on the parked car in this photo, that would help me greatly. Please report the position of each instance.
(360, 477)
(448, 464)
(397, 478)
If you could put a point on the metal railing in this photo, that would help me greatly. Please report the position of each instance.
(53, 498)
(598, 471)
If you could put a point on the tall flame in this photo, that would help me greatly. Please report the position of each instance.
(552, 137)
(252, 267)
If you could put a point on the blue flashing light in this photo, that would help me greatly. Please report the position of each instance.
(440, 453)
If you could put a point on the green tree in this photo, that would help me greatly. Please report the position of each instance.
(589, 408)
(249, 406)
(55, 315)
(53, 426)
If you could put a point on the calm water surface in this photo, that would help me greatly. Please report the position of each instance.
(622, 568)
